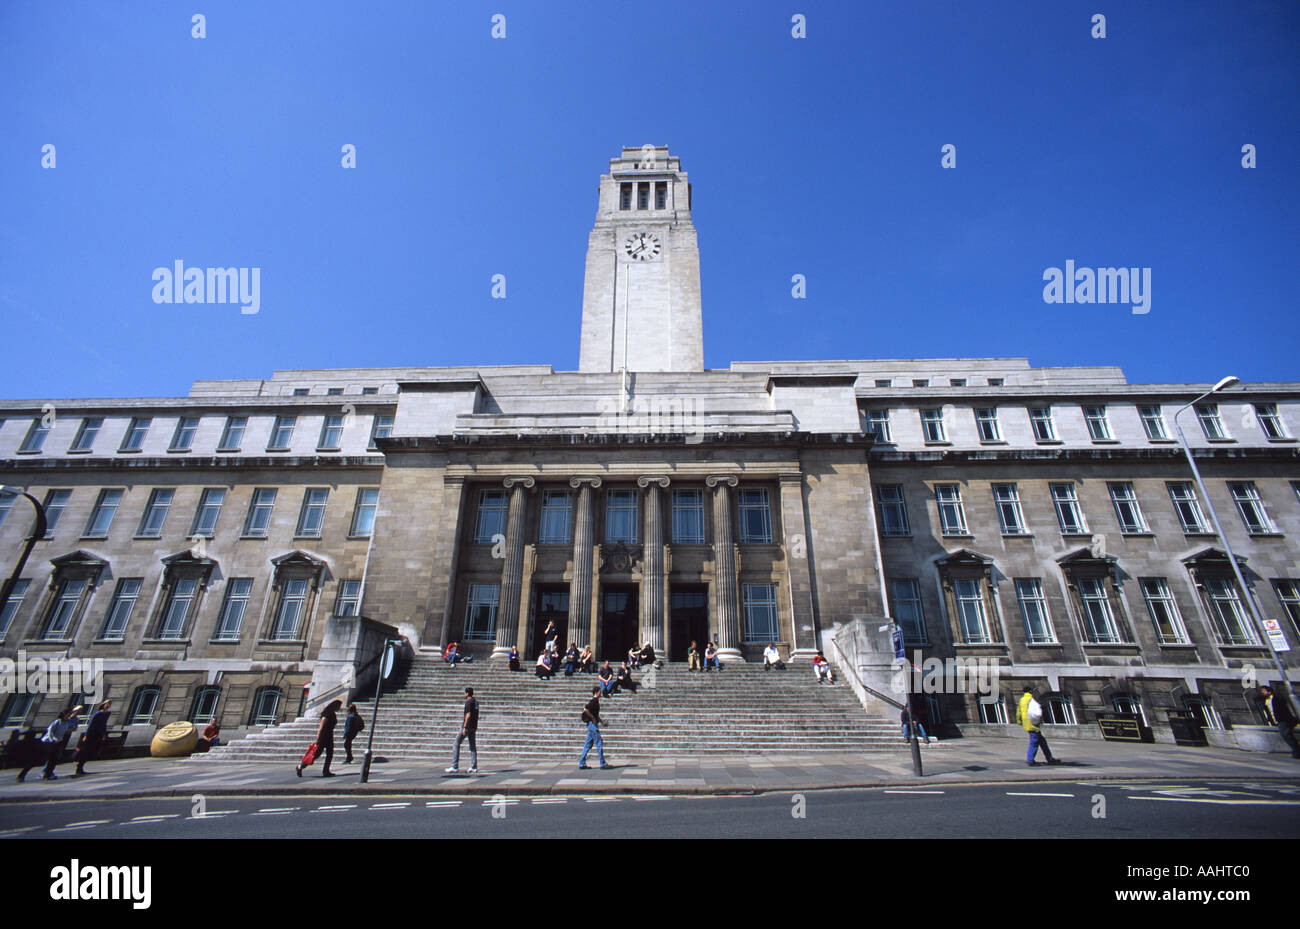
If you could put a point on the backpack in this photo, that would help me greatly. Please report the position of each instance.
(1034, 712)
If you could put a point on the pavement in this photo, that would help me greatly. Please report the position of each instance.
(965, 761)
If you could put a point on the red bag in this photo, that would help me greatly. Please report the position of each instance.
(310, 755)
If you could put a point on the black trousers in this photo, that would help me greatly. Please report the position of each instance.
(48, 755)
(88, 751)
(347, 746)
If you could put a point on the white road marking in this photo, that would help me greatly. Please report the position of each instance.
(389, 806)
(88, 824)
(1221, 802)
(18, 830)
(501, 800)
(657, 797)
(213, 814)
(550, 800)
(433, 804)
(275, 811)
(602, 799)
(1012, 793)
(151, 818)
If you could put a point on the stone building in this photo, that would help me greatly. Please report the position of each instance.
(219, 551)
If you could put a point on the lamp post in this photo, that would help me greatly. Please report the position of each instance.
(38, 532)
(1256, 617)
(900, 654)
(386, 659)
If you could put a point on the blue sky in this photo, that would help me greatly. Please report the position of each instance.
(478, 156)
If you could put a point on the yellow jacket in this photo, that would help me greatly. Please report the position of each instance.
(1022, 714)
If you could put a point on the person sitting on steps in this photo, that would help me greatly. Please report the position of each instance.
(544, 669)
(711, 658)
(608, 682)
(772, 658)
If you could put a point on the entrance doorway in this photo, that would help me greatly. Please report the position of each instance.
(552, 606)
(688, 620)
(618, 621)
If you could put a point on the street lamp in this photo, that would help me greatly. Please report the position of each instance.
(1218, 528)
(38, 532)
(900, 653)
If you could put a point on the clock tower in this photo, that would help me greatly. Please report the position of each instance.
(641, 293)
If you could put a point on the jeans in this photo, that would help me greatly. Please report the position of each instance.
(593, 738)
(1036, 741)
(712, 663)
(473, 749)
(920, 732)
(607, 687)
(568, 669)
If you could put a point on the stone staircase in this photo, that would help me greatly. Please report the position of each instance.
(742, 710)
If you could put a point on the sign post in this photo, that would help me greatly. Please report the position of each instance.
(385, 668)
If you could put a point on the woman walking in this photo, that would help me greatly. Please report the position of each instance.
(324, 739)
(96, 733)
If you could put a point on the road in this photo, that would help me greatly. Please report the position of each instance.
(1193, 809)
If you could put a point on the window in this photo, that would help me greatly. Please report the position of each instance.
(301, 391)
(878, 425)
(893, 510)
(312, 516)
(491, 520)
(266, 707)
(348, 602)
(1203, 710)
(381, 428)
(920, 382)
(282, 433)
(331, 433)
(1153, 421)
(1040, 417)
(986, 423)
(1058, 711)
(996, 381)
(1251, 508)
(994, 712)
(369, 391)
(363, 515)
(932, 426)
(620, 516)
(884, 382)
(1127, 511)
(334, 391)
(1288, 594)
(755, 517)
(1230, 622)
(557, 518)
(155, 513)
(661, 195)
(1270, 423)
(1130, 705)
(957, 382)
(1033, 610)
(1098, 616)
(205, 517)
(293, 602)
(56, 501)
(6, 504)
(760, 612)
(1098, 423)
(952, 515)
(1164, 611)
(971, 616)
(1188, 508)
(87, 432)
(183, 438)
(1007, 500)
(232, 436)
(59, 620)
(481, 612)
(688, 516)
(120, 610)
(204, 708)
(36, 436)
(133, 441)
(258, 522)
(16, 709)
(1208, 414)
(233, 608)
(142, 706)
(1068, 512)
(101, 517)
(643, 196)
(10, 608)
(906, 609)
(625, 197)
(179, 600)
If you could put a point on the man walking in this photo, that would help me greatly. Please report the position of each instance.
(1025, 716)
(591, 716)
(468, 730)
(1279, 708)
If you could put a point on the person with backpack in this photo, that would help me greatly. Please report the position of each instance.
(1279, 712)
(1029, 715)
(353, 726)
(591, 716)
(468, 730)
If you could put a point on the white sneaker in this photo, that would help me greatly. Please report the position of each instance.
(453, 770)
(473, 770)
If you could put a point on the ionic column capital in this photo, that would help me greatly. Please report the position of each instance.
(527, 482)
(728, 480)
(647, 479)
(579, 481)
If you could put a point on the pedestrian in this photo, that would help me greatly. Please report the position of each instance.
(1279, 710)
(514, 658)
(1029, 715)
(587, 660)
(571, 660)
(607, 680)
(353, 726)
(711, 657)
(324, 739)
(693, 658)
(468, 729)
(96, 733)
(549, 636)
(544, 669)
(822, 669)
(920, 725)
(591, 716)
(211, 737)
(625, 681)
(51, 745)
(772, 658)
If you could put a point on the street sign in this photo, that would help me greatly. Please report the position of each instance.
(1274, 630)
(386, 667)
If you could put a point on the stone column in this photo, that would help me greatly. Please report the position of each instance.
(652, 571)
(581, 632)
(727, 596)
(512, 572)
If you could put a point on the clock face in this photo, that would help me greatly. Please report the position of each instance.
(642, 246)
